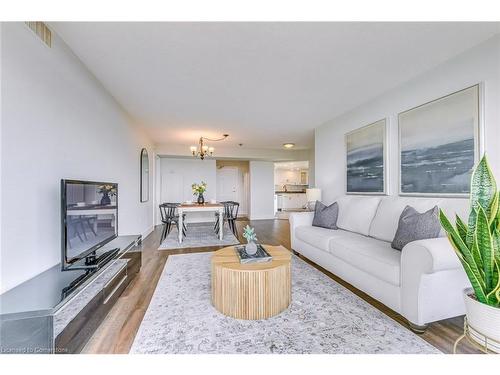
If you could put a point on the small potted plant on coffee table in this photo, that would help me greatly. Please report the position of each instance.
(477, 245)
(251, 237)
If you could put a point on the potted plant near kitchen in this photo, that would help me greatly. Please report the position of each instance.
(477, 245)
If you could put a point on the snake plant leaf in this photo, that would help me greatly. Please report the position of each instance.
(483, 186)
(498, 212)
(496, 282)
(474, 280)
(492, 297)
(495, 237)
(465, 256)
(494, 208)
(496, 223)
(483, 190)
(484, 242)
(476, 254)
(471, 228)
(461, 228)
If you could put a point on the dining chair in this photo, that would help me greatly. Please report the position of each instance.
(231, 209)
(169, 216)
(90, 221)
(216, 224)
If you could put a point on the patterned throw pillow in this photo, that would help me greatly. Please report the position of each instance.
(414, 226)
(326, 216)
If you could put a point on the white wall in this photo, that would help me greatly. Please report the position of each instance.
(261, 190)
(177, 176)
(480, 64)
(58, 122)
(312, 169)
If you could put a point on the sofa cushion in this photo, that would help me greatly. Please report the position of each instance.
(356, 213)
(414, 226)
(368, 254)
(316, 236)
(325, 216)
(385, 222)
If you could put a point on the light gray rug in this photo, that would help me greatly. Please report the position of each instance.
(324, 317)
(198, 235)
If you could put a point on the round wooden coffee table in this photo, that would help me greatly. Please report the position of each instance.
(251, 291)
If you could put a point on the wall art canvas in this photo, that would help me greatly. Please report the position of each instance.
(439, 145)
(366, 149)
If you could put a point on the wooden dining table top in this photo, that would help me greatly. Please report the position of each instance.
(206, 205)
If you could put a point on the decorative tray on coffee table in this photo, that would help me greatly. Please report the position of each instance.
(260, 256)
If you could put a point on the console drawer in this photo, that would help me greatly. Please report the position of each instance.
(116, 285)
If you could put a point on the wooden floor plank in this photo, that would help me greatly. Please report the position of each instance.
(117, 332)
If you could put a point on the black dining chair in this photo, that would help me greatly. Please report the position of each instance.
(90, 221)
(76, 229)
(169, 216)
(231, 209)
(216, 225)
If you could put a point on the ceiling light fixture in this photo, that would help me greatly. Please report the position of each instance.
(202, 151)
(288, 145)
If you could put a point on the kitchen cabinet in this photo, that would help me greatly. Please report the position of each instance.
(304, 178)
(288, 201)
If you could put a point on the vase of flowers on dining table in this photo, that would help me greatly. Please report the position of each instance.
(107, 191)
(199, 189)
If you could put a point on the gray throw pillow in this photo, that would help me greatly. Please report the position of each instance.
(414, 226)
(325, 216)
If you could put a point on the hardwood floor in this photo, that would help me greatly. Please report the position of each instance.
(117, 331)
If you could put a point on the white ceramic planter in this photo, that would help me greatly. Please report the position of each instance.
(251, 248)
(483, 320)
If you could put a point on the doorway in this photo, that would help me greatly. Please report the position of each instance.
(233, 183)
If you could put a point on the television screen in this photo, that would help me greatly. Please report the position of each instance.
(89, 217)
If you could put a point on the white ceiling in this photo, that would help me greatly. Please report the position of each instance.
(263, 83)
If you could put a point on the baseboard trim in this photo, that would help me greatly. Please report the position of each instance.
(148, 231)
(262, 217)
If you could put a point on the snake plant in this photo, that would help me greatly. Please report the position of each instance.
(477, 242)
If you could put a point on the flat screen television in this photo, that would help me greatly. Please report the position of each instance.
(89, 219)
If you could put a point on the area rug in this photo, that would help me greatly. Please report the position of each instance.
(198, 235)
(324, 317)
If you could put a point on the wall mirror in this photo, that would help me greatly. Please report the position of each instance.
(144, 175)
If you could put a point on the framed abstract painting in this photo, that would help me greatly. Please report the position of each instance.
(439, 145)
(366, 159)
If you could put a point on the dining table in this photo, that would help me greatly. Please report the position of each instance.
(195, 207)
(94, 210)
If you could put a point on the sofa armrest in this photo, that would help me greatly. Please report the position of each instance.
(298, 219)
(429, 256)
(432, 280)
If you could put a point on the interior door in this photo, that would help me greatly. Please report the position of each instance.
(227, 184)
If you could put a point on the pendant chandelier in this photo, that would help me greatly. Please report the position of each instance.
(202, 150)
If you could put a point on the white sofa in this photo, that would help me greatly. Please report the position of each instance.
(423, 282)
